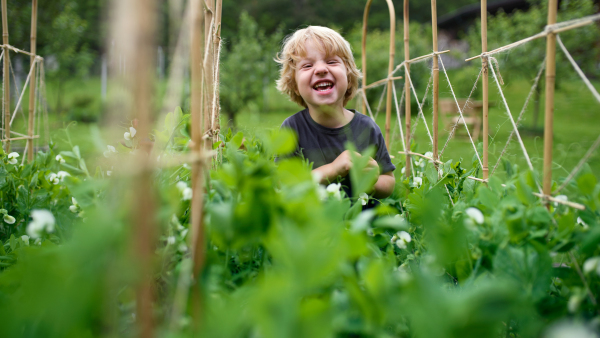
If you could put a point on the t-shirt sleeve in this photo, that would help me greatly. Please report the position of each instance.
(381, 155)
(289, 124)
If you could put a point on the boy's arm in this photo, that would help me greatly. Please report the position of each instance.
(384, 186)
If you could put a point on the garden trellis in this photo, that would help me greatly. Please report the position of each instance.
(489, 65)
(35, 81)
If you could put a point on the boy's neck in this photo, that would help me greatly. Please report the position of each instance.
(331, 117)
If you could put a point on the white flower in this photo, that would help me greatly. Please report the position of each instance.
(181, 185)
(186, 166)
(363, 198)
(62, 174)
(429, 154)
(440, 172)
(182, 247)
(403, 239)
(9, 219)
(110, 150)
(583, 224)
(25, 239)
(417, 181)
(108, 173)
(322, 192)
(334, 190)
(41, 220)
(574, 302)
(53, 178)
(171, 240)
(75, 207)
(60, 159)
(419, 162)
(475, 214)
(562, 198)
(403, 170)
(187, 194)
(592, 264)
(38, 241)
(316, 177)
(12, 158)
(130, 134)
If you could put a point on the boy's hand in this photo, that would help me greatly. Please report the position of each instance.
(343, 163)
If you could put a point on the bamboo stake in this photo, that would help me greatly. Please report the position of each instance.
(436, 78)
(364, 53)
(198, 128)
(209, 11)
(215, 122)
(407, 112)
(549, 110)
(485, 83)
(135, 32)
(6, 77)
(388, 108)
(30, 131)
(388, 104)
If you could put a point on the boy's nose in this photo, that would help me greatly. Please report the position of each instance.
(321, 69)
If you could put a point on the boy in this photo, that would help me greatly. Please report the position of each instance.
(318, 72)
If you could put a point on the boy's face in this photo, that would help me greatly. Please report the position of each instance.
(321, 79)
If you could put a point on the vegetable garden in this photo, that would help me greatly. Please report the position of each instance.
(183, 228)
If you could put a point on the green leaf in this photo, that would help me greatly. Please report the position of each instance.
(236, 140)
(524, 192)
(13, 242)
(284, 141)
(431, 173)
(586, 183)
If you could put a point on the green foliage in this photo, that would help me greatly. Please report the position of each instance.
(248, 67)
(444, 256)
(524, 60)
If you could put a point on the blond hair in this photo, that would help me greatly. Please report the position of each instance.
(328, 41)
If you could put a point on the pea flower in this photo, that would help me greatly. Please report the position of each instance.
(417, 181)
(475, 214)
(8, 219)
(185, 190)
(62, 174)
(60, 159)
(12, 158)
(171, 240)
(130, 134)
(562, 198)
(42, 220)
(334, 190)
(363, 198)
(592, 264)
(403, 239)
(110, 151)
(75, 207)
(25, 239)
(53, 178)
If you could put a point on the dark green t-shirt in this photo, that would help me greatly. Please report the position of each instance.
(322, 145)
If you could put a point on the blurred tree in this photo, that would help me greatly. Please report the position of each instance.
(247, 67)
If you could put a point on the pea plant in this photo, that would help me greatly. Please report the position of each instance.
(444, 256)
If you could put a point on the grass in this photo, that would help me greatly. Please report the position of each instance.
(575, 123)
(575, 126)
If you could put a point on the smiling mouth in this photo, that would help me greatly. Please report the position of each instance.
(323, 86)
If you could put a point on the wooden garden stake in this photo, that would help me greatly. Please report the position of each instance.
(30, 130)
(485, 82)
(388, 108)
(436, 78)
(6, 77)
(198, 119)
(407, 113)
(209, 25)
(134, 32)
(549, 112)
(215, 124)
